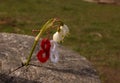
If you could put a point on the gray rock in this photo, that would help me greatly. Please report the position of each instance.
(71, 68)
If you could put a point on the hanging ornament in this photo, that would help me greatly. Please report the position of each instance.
(48, 50)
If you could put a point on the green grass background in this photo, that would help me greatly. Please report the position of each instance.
(94, 28)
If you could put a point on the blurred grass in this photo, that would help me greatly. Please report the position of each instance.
(94, 28)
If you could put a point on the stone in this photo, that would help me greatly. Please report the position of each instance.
(71, 68)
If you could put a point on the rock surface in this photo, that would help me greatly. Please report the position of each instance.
(72, 68)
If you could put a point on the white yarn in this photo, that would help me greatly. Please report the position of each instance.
(54, 55)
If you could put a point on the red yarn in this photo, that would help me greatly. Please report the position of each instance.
(45, 44)
(44, 53)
